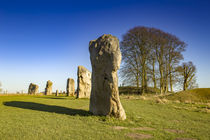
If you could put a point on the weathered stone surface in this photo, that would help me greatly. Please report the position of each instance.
(48, 89)
(56, 93)
(33, 89)
(105, 58)
(83, 82)
(70, 88)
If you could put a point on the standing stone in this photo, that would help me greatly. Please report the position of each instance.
(83, 82)
(70, 88)
(57, 93)
(105, 58)
(48, 89)
(33, 89)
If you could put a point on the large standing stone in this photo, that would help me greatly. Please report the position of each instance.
(48, 89)
(83, 82)
(33, 89)
(105, 58)
(70, 88)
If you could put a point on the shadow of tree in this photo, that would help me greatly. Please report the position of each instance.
(47, 108)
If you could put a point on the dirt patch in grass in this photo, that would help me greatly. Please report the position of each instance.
(139, 136)
(176, 121)
(185, 139)
(174, 131)
(119, 127)
(143, 128)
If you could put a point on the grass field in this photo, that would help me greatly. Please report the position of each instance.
(26, 117)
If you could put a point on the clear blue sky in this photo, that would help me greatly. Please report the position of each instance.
(46, 40)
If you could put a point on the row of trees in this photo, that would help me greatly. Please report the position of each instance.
(152, 57)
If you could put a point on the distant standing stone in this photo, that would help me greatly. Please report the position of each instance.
(83, 82)
(33, 89)
(48, 89)
(57, 93)
(105, 59)
(70, 88)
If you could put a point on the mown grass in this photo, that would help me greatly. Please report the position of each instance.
(26, 117)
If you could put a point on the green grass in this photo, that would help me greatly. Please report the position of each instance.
(194, 95)
(48, 117)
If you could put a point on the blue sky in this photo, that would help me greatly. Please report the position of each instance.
(44, 40)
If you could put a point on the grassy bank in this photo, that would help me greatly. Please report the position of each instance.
(194, 95)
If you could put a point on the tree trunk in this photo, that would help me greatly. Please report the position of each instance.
(166, 76)
(171, 82)
(137, 81)
(142, 81)
(170, 78)
(185, 85)
(161, 80)
(145, 79)
(153, 74)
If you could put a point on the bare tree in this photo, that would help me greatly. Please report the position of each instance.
(168, 49)
(152, 70)
(130, 70)
(130, 74)
(175, 49)
(159, 47)
(135, 49)
(188, 70)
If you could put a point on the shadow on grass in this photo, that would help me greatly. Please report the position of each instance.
(47, 108)
(52, 97)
